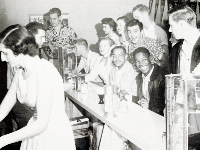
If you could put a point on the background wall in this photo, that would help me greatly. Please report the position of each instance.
(85, 15)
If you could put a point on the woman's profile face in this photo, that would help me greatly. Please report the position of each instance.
(121, 27)
(7, 55)
(107, 29)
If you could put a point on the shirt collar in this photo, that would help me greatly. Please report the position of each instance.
(89, 54)
(148, 76)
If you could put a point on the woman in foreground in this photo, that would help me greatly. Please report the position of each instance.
(38, 84)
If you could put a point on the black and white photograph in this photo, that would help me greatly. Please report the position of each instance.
(100, 75)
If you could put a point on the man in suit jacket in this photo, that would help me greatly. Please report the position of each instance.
(123, 75)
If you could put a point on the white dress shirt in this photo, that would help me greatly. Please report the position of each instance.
(186, 54)
(101, 68)
(185, 58)
(157, 33)
(145, 84)
(88, 63)
(125, 78)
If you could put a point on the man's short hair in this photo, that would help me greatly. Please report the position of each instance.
(183, 12)
(111, 42)
(34, 26)
(124, 18)
(141, 8)
(141, 50)
(134, 22)
(55, 11)
(82, 42)
(110, 22)
(119, 47)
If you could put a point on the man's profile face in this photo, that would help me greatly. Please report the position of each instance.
(175, 28)
(40, 37)
(54, 19)
(79, 49)
(119, 57)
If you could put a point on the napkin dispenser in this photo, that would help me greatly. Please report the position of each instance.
(108, 101)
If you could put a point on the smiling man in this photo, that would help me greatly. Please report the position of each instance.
(123, 75)
(158, 55)
(151, 30)
(150, 82)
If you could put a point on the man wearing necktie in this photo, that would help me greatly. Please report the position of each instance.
(122, 76)
(150, 82)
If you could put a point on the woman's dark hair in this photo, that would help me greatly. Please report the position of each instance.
(110, 22)
(19, 40)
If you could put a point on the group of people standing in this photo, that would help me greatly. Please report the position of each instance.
(134, 60)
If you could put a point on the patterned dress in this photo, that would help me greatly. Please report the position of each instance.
(58, 135)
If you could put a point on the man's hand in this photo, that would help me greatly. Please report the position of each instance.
(68, 86)
(143, 103)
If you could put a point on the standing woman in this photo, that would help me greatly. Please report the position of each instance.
(38, 84)
(123, 34)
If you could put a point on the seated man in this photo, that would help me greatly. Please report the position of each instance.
(109, 27)
(103, 64)
(88, 58)
(158, 55)
(150, 82)
(123, 75)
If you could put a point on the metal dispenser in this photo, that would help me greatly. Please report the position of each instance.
(183, 100)
(108, 101)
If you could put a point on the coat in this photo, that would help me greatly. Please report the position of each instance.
(156, 88)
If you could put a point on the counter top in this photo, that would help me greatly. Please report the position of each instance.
(141, 126)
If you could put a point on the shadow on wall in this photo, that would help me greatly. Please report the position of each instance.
(129, 15)
(100, 33)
